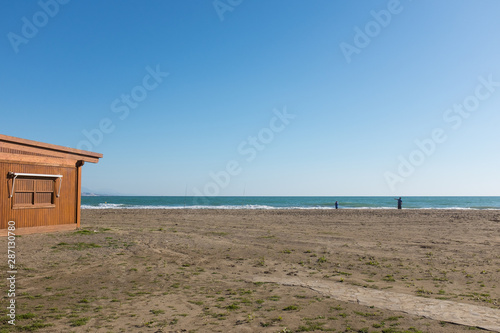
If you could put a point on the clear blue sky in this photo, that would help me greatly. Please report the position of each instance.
(357, 82)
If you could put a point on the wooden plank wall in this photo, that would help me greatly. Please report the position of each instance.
(65, 210)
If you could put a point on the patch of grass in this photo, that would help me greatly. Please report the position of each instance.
(245, 301)
(393, 330)
(245, 291)
(79, 321)
(291, 308)
(156, 312)
(28, 315)
(441, 279)
(388, 278)
(311, 319)
(313, 326)
(79, 246)
(422, 291)
(219, 316)
(213, 233)
(233, 306)
(36, 325)
(82, 232)
(322, 260)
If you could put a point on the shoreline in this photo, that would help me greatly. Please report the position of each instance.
(308, 203)
(284, 208)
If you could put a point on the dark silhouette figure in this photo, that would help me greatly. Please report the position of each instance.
(400, 203)
(336, 205)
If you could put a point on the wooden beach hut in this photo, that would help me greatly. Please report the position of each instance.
(40, 188)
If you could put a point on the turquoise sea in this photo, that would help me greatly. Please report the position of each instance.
(171, 202)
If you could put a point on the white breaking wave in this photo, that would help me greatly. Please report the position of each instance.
(263, 207)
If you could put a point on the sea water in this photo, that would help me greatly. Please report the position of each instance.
(189, 202)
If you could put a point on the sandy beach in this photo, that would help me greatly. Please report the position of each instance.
(230, 270)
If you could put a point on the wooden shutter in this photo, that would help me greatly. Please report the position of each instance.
(25, 191)
(33, 192)
(44, 192)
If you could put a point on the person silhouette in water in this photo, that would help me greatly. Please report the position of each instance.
(400, 203)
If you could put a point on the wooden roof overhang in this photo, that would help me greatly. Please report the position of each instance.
(33, 152)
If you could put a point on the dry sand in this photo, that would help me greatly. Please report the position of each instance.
(199, 270)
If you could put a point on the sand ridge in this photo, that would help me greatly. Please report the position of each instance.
(453, 312)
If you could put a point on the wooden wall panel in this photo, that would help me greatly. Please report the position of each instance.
(65, 210)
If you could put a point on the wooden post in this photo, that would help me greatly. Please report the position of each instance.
(79, 165)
